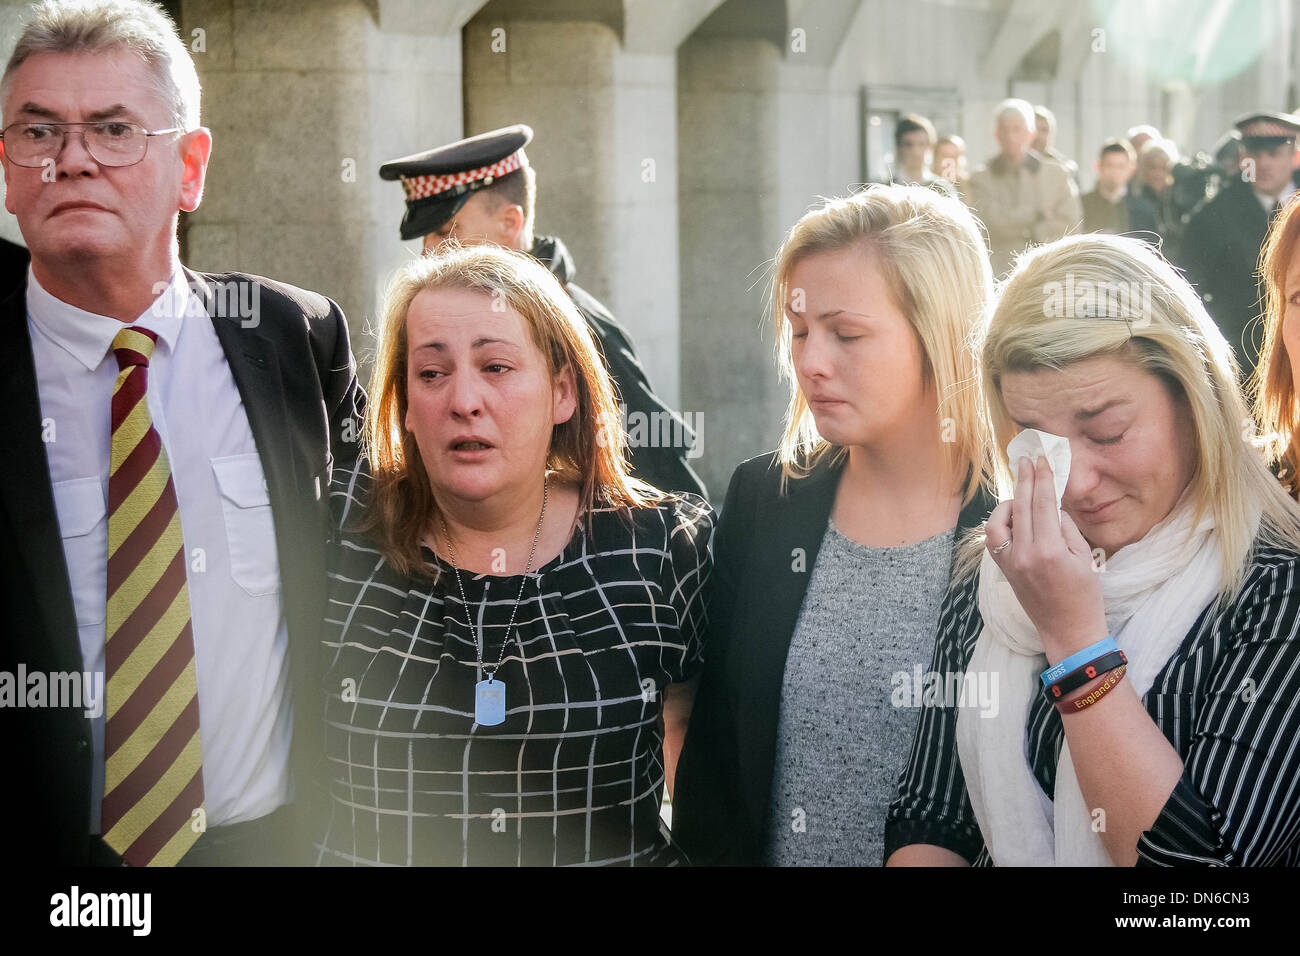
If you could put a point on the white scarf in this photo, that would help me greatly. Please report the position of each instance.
(1154, 590)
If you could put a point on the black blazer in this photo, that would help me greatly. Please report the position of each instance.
(724, 776)
(296, 377)
(1220, 254)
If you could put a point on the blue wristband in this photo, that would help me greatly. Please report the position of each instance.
(1079, 659)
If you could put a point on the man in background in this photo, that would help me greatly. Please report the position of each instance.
(1153, 181)
(483, 189)
(914, 140)
(1111, 206)
(950, 163)
(1220, 250)
(1021, 196)
(1140, 135)
(1044, 134)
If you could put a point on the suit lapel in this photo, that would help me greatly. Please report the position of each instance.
(27, 494)
(253, 363)
(791, 538)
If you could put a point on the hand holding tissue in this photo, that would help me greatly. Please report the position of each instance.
(1034, 444)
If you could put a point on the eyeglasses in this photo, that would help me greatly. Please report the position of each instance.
(110, 143)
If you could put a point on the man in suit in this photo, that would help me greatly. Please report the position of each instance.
(1112, 207)
(482, 189)
(1022, 196)
(163, 516)
(1154, 183)
(1220, 249)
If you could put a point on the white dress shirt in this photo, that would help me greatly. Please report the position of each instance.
(232, 567)
(1267, 201)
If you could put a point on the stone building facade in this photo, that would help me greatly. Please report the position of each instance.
(676, 140)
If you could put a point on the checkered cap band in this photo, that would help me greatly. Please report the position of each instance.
(1262, 128)
(421, 187)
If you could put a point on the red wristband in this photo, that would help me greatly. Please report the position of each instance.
(1088, 698)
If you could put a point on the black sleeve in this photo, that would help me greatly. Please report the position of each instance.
(706, 804)
(663, 464)
(931, 805)
(1238, 800)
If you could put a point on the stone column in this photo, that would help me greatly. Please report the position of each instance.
(763, 132)
(305, 101)
(600, 95)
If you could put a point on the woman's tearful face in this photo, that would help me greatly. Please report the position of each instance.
(481, 400)
(857, 357)
(1132, 443)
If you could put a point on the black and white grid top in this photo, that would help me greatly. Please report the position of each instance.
(1228, 700)
(575, 774)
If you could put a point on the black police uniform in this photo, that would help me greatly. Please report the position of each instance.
(664, 468)
(1220, 249)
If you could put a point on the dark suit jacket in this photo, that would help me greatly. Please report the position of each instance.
(298, 383)
(724, 776)
(1220, 253)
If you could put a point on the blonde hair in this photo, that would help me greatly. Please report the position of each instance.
(1170, 336)
(588, 449)
(936, 265)
(1272, 385)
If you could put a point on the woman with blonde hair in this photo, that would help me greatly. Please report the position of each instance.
(511, 616)
(833, 552)
(1274, 383)
(1139, 613)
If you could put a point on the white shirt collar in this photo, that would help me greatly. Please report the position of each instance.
(1267, 201)
(88, 337)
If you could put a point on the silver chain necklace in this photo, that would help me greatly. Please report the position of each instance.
(490, 694)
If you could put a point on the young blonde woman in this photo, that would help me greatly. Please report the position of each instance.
(1146, 639)
(512, 617)
(833, 553)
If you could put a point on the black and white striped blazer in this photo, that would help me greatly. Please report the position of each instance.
(1228, 700)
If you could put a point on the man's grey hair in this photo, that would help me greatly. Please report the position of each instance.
(105, 26)
(1157, 147)
(1014, 107)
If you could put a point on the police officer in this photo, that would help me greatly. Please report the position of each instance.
(482, 189)
(1220, 249)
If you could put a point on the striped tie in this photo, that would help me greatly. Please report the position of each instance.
(153, 768)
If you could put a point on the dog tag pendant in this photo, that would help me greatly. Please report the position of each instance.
(490, 702)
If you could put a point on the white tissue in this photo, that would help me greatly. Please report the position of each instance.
(1034, 444)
